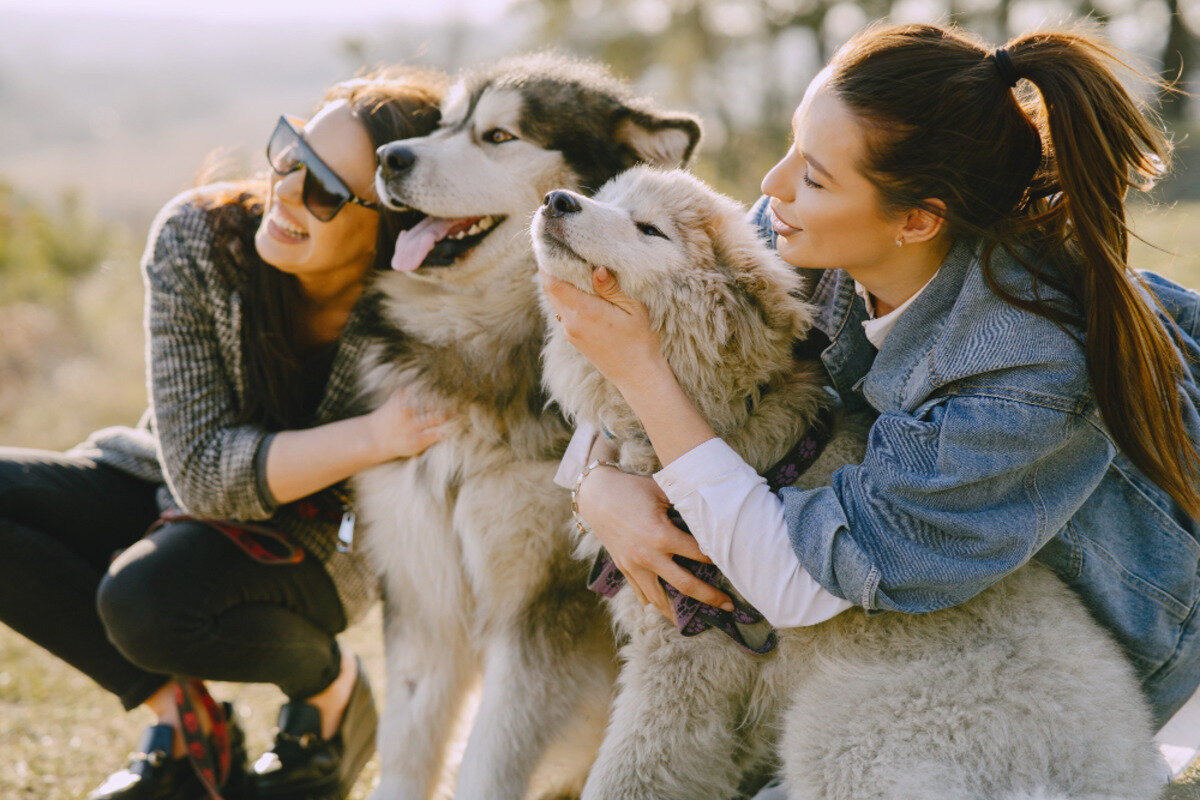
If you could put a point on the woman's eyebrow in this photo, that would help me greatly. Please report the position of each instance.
(812, 162)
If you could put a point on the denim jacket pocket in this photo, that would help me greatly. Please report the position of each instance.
(1139, 570)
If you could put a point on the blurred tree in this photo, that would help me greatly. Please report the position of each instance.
(354, 50)
(743, 64)
(1178, 56)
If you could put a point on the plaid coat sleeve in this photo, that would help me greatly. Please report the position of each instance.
(193, 362)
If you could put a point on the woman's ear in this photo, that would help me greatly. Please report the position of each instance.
(923, 224)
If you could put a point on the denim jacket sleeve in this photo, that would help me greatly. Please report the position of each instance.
(1179, 302)
(947, 501)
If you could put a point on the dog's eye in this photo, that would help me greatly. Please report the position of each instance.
(650, 230)
(498, 136)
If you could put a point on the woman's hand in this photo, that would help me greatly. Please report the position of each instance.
(400, 428)
(628, 514)
(304, 461)
(612, 330)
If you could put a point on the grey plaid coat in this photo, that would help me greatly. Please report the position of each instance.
(188, 437)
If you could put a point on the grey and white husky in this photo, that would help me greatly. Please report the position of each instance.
(470, 538)
(1017, 693)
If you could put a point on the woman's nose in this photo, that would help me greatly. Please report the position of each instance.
(291, 186)
(775, 183)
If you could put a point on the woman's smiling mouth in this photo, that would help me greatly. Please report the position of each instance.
(283, 229)
(780, 227)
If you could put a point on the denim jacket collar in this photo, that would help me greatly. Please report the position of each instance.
(904, 371)
(945, 336)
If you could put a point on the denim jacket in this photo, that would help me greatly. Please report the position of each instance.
(988, 451)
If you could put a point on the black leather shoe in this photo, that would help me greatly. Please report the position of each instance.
(303, 766)
(153, 775)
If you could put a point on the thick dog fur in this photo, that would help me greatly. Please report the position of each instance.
(1015, 694)
(470, 537)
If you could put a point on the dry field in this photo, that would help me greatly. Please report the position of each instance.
(66, 371)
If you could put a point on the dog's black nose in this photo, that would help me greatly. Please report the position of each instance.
(560, 202)
(395, 158)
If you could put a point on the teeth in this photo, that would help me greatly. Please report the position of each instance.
(479, 226)
(287, 226)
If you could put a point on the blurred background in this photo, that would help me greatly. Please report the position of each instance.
(108, 109)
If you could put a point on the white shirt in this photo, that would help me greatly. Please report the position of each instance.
(736, 519)
(877, 329)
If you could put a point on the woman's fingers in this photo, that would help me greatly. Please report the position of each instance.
(607, 286)
(637, 588)
(689, 584)
(683, 544)
(649, 589)
(568, 299)
(431, 436)
(656, 563)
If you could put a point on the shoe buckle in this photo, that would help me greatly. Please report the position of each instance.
(305, 740)
(154, 758)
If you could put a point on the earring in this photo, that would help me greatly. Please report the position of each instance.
(899, 242)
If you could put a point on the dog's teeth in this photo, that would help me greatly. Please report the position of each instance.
(474, 229)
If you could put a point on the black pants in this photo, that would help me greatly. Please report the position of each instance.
(183, 601)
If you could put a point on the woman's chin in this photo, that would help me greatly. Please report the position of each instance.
(791, 252)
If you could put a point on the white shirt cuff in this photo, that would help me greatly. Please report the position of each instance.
(575, 457)
(738, 523)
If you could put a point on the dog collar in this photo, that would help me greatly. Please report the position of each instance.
(693, 617)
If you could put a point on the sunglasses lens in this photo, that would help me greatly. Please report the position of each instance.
(282, 150)
(320, 198)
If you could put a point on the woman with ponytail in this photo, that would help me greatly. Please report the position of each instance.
(961, 213)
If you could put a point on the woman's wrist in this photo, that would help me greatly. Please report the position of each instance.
(592, 465)
(369, 443)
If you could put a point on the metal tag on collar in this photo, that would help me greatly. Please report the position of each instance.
(346, 533)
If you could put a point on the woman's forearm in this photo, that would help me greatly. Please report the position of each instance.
(301, 462)
(667, 414)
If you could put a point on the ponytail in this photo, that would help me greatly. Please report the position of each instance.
(1048, 170)
(1102, 146)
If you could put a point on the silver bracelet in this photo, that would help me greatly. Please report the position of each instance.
(579, 523)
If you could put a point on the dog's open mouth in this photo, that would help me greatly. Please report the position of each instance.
(439, 241)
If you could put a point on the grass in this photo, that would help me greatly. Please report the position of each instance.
(60, 734)
(66, 370)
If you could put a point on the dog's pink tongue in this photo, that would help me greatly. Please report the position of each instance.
(414, 244)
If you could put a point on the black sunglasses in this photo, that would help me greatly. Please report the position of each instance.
(324, 192)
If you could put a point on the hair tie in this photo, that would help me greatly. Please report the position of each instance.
(1004, 66)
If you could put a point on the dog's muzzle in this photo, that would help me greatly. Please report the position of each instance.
(559, 203)
(395, 159)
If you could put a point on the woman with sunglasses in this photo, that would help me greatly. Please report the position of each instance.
(252, 351)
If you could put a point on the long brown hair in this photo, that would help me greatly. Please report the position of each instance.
(1046, 171)
(390, 105)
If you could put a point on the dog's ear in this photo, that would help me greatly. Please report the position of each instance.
(661, 140)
